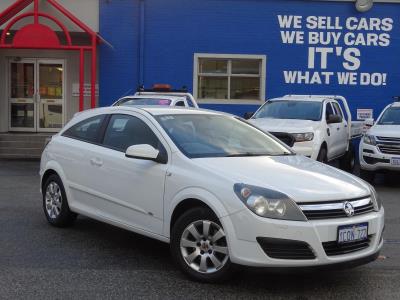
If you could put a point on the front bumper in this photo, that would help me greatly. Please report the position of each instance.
(243, 229)
(371, 159)
(308, 149)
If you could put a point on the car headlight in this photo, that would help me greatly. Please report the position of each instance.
(375, 198)
(303, 137)
(369, 139)
(268, 203)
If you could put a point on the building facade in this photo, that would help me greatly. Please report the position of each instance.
(231, 54)
(234, 54)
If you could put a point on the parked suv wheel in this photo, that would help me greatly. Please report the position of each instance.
(55, 205)
(199, 246)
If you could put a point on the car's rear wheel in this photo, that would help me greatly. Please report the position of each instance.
(199, 246)
(55, 204)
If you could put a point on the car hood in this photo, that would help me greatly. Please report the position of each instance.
(385, 131)
(285, 125)
(302, 179)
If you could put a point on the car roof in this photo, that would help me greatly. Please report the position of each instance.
(396, 104)
(157, 110)
(154, 96)
(311, 98)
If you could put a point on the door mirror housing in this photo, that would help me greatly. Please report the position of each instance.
(333, 119)
(145, 152)
(369, 122)
(248, 115)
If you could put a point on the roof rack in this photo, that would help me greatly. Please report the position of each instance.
(165, 88)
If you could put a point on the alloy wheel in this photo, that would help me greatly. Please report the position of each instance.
(204, 247)
(53, 200)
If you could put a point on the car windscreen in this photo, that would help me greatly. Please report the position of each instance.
(144, 101)
(203, 135)
(299, 110)
(390, 117)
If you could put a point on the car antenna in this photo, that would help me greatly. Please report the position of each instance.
(128, 92)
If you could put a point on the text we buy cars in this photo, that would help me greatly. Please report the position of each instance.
(335, 41)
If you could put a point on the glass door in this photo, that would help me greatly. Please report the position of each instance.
(36, 95)
(22, 96)
(51, 95)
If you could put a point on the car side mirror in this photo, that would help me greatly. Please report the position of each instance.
(369, 122)
(248, 115)
(144, 151)
(333, 119)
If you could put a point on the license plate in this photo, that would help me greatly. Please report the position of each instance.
(352, 233)
(395, 161)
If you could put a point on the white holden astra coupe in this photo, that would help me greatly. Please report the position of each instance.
(219, 190)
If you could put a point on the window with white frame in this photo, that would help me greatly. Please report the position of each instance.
(229, 77)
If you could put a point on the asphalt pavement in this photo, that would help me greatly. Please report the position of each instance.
(92, 260)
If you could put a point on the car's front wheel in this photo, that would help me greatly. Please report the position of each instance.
(199, 246)
(55, 204)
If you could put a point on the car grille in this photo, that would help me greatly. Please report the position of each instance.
(286, 249)
(388, 145)
(333, 248)
(287, 138)
(374, 160)
(330, 210)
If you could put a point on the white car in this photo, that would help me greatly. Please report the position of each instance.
(219, 190)
(161, 95)
(380, 147)
(321, 125)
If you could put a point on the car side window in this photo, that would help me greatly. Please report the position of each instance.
(329, 110)
(189, 101)
(124, 131)
(180, 103)
(337, 109)
(87, 130)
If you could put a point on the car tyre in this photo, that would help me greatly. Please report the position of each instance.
(199, 246)
(55, 204)
(348, 161)
(367, 175)
(323, 155)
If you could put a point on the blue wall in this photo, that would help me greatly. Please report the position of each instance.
(176, 29)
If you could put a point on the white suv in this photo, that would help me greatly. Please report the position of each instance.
(219, 190)
(380, 147)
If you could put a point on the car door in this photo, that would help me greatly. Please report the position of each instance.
(342, 129)
(73, 151)
(333, 133)
(131, 190)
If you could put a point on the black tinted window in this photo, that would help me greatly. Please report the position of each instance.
(329, 110)
(180, 103)
(124, 131)
(87, 130)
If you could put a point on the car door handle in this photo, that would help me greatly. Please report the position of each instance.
(96, 162)
(338, 128)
